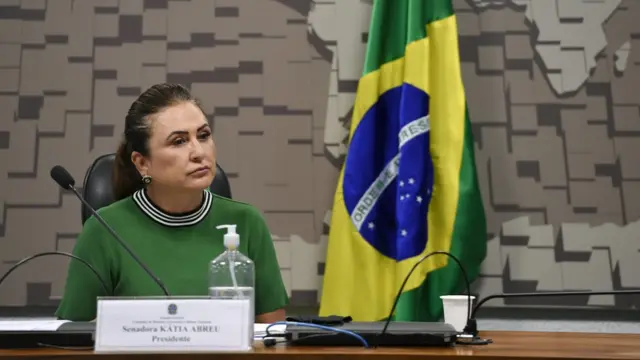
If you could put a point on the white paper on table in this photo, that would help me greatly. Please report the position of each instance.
(260, 330)
(31, 325)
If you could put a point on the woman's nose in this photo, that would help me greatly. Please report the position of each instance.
(197, 151)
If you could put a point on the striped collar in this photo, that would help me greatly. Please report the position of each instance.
(173, 220)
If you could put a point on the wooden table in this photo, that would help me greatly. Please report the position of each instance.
(506, 345)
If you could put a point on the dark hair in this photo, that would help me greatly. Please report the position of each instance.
(137, 130)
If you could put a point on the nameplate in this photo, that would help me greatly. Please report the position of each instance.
(172, 325)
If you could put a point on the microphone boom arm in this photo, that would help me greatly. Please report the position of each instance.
(415, 266)
(62, 177)
(124, 245)
(472, 326)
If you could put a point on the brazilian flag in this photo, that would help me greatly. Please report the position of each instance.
(409, 185)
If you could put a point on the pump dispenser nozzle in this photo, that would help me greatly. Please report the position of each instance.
(231, 238)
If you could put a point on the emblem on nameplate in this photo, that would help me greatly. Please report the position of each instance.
(172, 309)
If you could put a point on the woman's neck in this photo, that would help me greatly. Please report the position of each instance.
(175, 202)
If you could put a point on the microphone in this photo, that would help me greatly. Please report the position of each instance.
(472, 326)
(415, 266)
(61, 176)
(27, 259)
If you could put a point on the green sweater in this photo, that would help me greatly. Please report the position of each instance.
(176, 247)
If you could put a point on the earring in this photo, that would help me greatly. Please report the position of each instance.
(146, 179)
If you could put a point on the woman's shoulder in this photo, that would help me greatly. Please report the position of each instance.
(116, 212)
(237, 209)
(117, 215)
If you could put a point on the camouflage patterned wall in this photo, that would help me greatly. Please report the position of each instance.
(551, 87)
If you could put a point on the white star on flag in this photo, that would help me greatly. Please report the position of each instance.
(419, 199)
(403, 232)
(371, 225)
(411, 181)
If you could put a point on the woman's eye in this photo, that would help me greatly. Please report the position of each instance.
(205, 135)
(178, 141)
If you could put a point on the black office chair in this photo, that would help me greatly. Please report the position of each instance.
(97, 187)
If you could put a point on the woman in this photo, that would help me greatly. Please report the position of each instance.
(166, 214)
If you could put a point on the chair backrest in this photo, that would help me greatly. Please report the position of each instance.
(97, 187)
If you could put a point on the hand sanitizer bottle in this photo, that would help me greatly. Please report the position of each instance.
(232, 275)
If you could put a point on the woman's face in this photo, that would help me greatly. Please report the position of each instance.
(182, 154)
